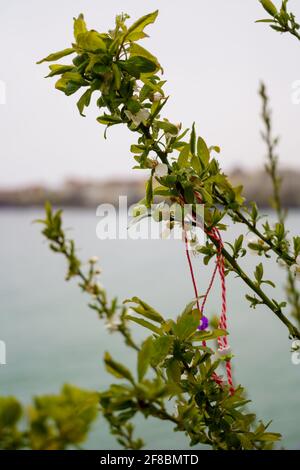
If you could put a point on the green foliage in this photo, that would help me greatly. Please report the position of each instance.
(10, 415)
(281, 20)
(53, 422)
(182, 373)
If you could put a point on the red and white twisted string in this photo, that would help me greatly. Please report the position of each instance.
(220, 267)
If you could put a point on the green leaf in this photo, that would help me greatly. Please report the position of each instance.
(216, 148)
(117, 369)
(136, 65)
(196, 165)
(161, 348)
(189, 307)
(57, 69)
(238, 243)
(270, 436)
(208, 335)
(184, 156)
(174, 370)
(296, 245)
(91, 41)
(79, 26)
(145, 324)
(167, 127)
(99, 68)
(137, 148)
(278, 28)
(139, 25)
(187, 324)
(280, 231)
(109, 120)
(74, 77)
(238, 191)
(269, 7)
(270, 283)
(265, 21)
(117, 76)
(135, 36)
(137, 50)
(57, 55)
(193, 140)
(146, 310)
(70, 82)
(202, 151)
(144, 357)
(133, 106)
(84, 100)
(259, 272)
(189, 194)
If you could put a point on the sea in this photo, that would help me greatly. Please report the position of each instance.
(52, 337)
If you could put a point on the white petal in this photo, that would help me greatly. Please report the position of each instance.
(161, 170)
(143, 115)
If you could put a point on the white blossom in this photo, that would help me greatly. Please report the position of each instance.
(136, 87)
(161, 170)
(93, 260)
(112, 324)
(141, 116)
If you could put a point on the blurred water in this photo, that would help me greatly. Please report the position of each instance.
(53, 338)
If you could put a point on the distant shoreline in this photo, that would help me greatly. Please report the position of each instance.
(89, 194)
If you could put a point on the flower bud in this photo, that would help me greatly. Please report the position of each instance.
(157, 97)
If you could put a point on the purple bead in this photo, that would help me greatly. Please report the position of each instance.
(203, 324)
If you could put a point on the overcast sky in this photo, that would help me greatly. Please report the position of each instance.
(213, 56)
